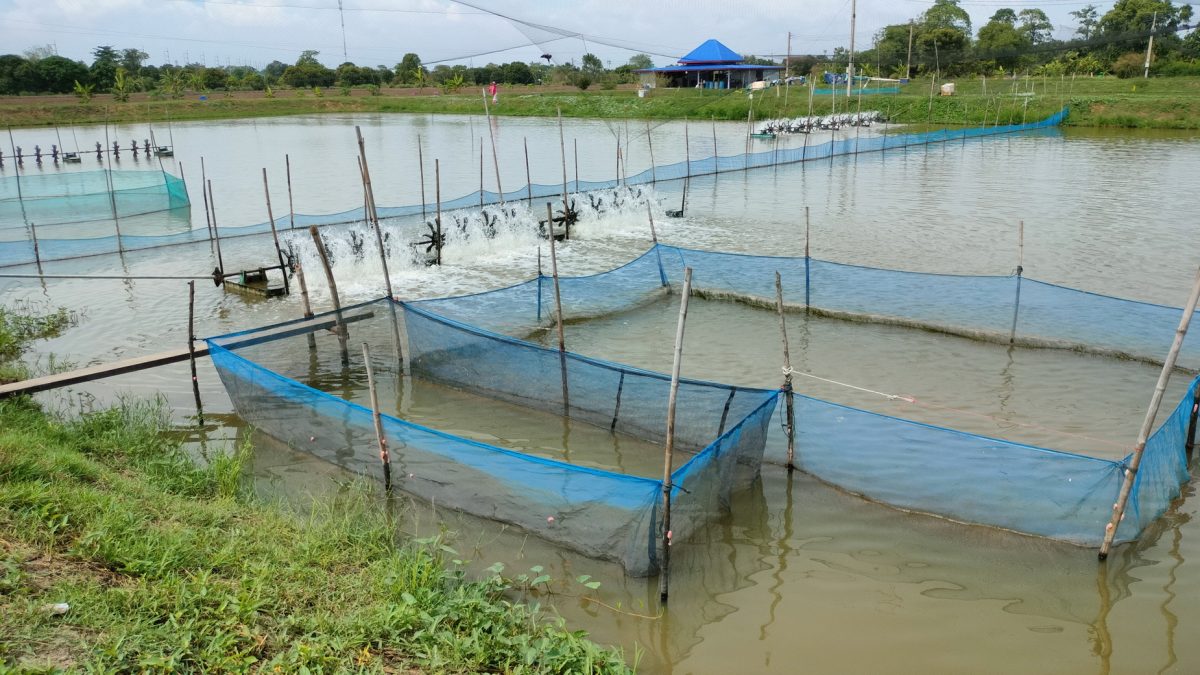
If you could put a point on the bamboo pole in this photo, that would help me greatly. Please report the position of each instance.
(575, 157)
(662, 274)
(204, 193)
(481, 174)
(807, 258)
(339, 323)
(1191, 435)
(212, 203)
(274, 233)
(558, 313)
(1012, 336)
(370, 191)
(788, 395)
(287, 163)
(384, 457)
(716, 156)
(618, 166)
(308, 313)
(387, 276)
(562, 144)
(650, 142)
(528, 179)
(669, 447)
(421, 171)
(192, 349)
(112, 195)
(492, 136)
(437, 186)
(1148, 423)
(37, 254)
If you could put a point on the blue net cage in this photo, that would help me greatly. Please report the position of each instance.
(907, 464)
(133, 197)
(720, 430)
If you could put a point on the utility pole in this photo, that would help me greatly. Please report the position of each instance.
(342, 16)
(787, 60)
(1150, 45)
(850, 66)
(908, 64)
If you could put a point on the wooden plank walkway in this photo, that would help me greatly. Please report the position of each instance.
(104, 370)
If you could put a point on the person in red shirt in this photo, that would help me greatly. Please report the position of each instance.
(492, 90)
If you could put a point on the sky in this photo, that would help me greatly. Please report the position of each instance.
(256, 32)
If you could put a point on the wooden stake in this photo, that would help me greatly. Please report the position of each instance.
(788, 397)
(1012, 336)
(212, 203)
(1148, 423)
(192, 349)
(287, 163)
(384, 457)
(669, 447)
(558, 313)
(421, 171)
(339, 323)
(528, 179)
(274, 233)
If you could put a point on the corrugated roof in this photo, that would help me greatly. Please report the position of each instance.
(711, 51)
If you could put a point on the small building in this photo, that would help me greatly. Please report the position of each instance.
(712, 65)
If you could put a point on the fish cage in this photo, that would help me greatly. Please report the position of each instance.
(904, 463)
(304, 393)
(82, 196)
(63, 245)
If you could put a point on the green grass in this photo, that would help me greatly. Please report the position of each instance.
(20, 325)
(1168, 102)
(167, 565)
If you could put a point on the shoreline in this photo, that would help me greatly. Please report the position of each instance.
(1165, 103)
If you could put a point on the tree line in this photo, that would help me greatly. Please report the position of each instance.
(941, 40)
(124, 71)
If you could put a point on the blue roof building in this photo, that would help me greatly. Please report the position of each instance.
(712, 65)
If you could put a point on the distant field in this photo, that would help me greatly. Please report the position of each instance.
(1167, 103)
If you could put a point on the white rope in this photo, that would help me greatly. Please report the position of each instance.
(890, 397)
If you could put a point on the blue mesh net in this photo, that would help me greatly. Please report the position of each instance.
(911, 465)
(74, 197)
(721, 430)
(17, 248)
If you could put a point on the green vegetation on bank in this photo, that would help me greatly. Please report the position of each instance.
(1169, 103)
(163, 565)
(119, 553)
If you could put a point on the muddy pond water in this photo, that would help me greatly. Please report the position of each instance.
(802, 576)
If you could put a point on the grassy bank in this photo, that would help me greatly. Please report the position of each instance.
(119, 553)
(1172, 103)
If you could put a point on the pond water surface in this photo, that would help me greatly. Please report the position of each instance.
(802, 576)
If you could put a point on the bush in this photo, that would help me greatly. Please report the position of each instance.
(1178, 68)
(1129, 65)
(582, 81)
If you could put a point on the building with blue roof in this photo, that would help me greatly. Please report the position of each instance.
(712, 65)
